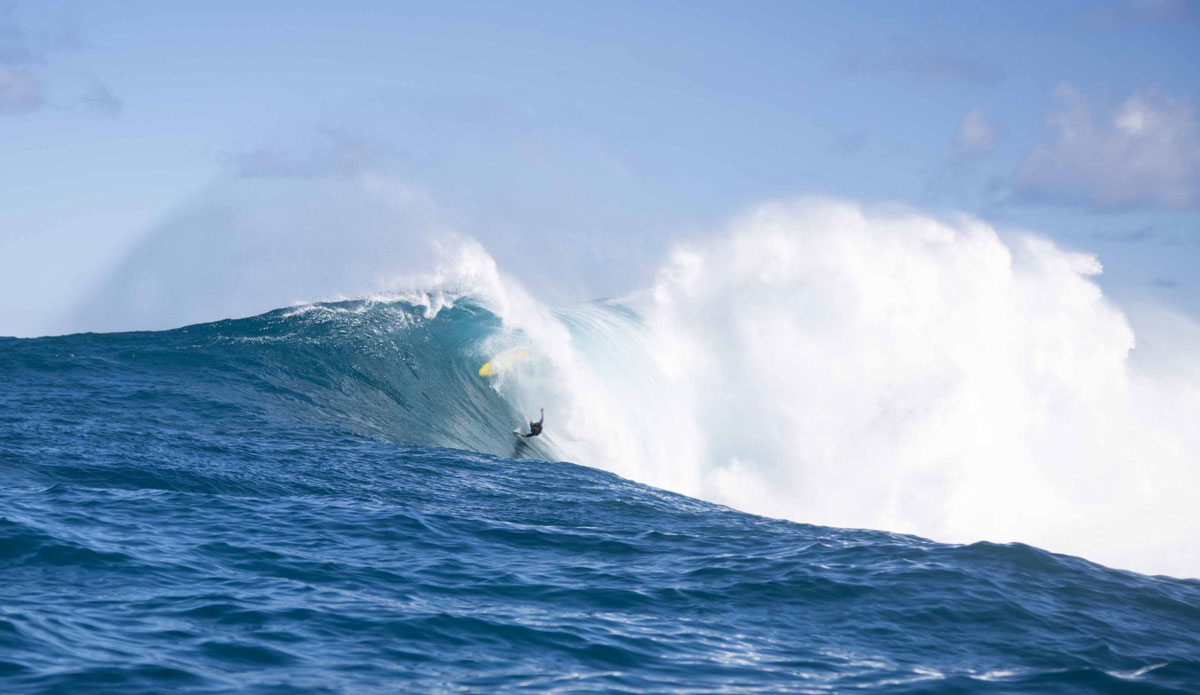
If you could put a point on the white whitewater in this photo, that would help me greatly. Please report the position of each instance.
(885, 370)
(816, 361)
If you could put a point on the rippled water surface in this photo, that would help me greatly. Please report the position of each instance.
(234, 508)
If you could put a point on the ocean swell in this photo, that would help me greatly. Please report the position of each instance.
(818, 361)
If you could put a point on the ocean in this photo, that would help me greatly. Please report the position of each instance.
(329, 499)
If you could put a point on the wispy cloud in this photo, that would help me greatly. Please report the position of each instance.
(26, 53)
(334, 153)
(977, 135)
(1145, 153)
(20, 90)
(1124, 12)
(99, 99)
(1163, 8)
(848, 143)
(1130, 236)
(923, 62)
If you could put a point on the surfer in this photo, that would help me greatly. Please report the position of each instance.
(535, 428)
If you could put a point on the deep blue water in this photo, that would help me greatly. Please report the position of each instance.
(289, 504)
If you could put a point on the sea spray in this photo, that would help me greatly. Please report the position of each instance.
(816, 361)
(294, 501)
(885, 369)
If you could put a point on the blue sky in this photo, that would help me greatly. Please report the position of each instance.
(602, 129)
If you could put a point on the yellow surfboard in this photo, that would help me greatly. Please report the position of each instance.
(503, 361)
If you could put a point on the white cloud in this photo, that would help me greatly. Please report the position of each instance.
(1145, 153)
(977, 134)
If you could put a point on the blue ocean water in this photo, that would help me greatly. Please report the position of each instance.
(304, 503)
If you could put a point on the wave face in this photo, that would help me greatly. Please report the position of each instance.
(287, 503)
(882, 369)
(817, 361)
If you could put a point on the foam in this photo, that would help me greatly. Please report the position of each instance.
(816, 361)
(884, 369)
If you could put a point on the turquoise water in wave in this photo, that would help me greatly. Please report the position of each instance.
(290, 504)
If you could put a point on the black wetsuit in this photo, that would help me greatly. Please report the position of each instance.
(535, 428)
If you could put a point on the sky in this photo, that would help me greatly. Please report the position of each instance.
(578, 141)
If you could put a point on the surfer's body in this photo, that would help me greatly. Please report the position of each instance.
(535, 428)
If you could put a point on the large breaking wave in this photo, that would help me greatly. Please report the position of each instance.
(818, 362)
